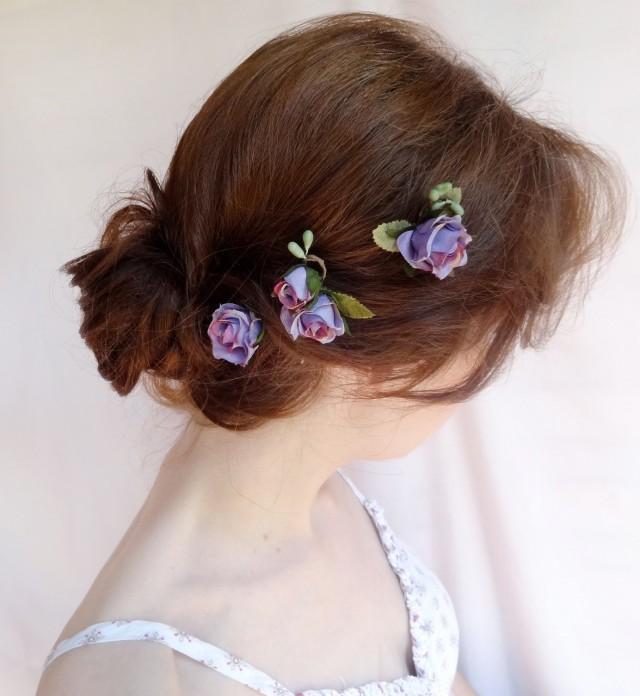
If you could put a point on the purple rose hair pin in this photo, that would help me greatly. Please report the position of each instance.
(437, 245)
(235, 333)
(309, 308)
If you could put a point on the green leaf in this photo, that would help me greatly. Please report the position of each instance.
(260, 335)
(397, 227)
(439, 190)
(350, 307)
(314, 281)
(307, 238)
(446, 198)
(456, 194)
(385, 235)
(383, 240)
(312, 303)
(409, 269)
(296, 250)
(347, 330)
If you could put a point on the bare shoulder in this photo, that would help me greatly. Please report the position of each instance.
(461, 687)
(133, 668)
(125, 668)
(128, 667)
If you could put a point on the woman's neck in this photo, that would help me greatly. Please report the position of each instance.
(252, 493)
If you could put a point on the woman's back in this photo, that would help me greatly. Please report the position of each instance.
(366, 604)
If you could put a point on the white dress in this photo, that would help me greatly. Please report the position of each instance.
(432, 624)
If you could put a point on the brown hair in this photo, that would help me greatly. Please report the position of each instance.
(340, 123)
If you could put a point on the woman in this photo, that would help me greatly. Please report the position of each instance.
(309, 287)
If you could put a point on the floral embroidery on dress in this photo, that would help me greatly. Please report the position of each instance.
(93, 635)
(235, 662)
(431, 616)
(427, 626)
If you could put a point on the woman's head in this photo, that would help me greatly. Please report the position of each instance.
(337, 125)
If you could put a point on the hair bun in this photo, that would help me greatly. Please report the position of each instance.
(282, 146)
(132, 292)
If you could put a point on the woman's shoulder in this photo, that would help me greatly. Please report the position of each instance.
(125, 588)
(142, 668)
(121, 666)
(107, 669)
(148, 576)
(102, 668)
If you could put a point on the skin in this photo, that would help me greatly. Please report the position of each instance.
(259, 521)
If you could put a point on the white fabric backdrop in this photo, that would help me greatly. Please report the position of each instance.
(525, 503)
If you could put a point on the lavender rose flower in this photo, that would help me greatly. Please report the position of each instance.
(292, 290)
(323, 322)
(436, 245)
(235, 333)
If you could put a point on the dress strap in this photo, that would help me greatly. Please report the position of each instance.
(363, 498)
(209, 655)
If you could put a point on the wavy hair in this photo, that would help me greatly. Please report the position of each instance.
(337, 124)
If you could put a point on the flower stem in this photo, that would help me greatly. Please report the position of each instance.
(320, 262)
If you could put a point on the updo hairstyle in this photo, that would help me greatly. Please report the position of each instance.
(338, 124)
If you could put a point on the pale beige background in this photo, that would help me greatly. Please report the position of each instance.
(526, 503)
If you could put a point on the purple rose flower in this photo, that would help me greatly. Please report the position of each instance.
(292, 290)
(323, 322)
(437, 245)
(234, 333)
